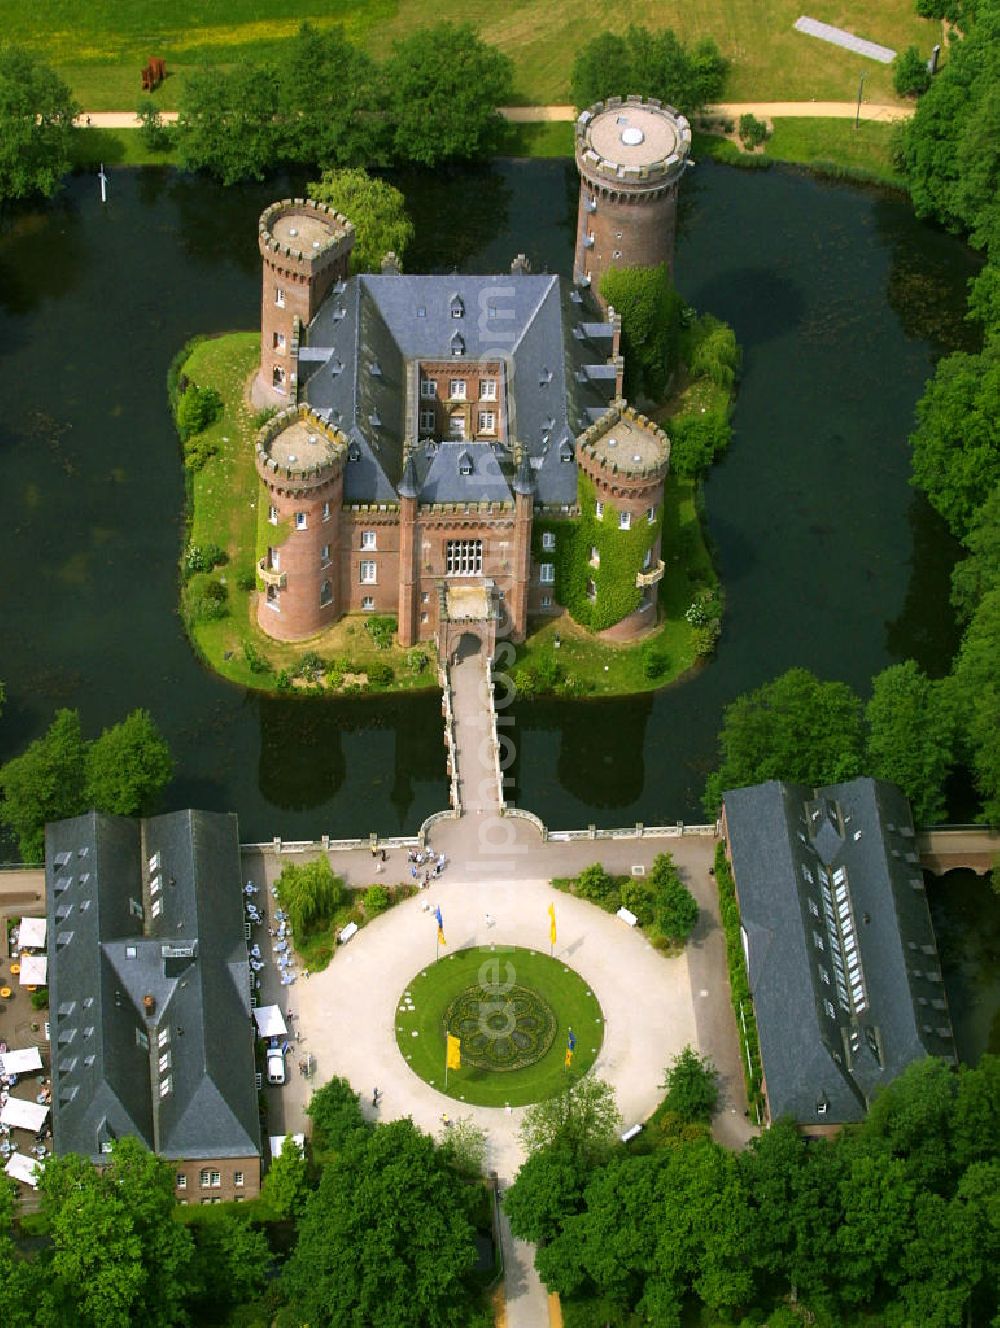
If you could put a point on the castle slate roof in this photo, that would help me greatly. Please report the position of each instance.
(841, 957)
(358, 353)
(149, 986)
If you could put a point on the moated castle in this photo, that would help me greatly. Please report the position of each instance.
(428, 422)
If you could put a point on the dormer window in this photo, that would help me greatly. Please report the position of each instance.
(465, 464)
(565, 451)
(354, 452)
(457, 307)
(458, 344)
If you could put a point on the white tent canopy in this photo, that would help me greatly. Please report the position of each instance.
(31, 933)
(270, 1022)
(278, 1142)
(34, 970)
(23, 1115)
(20, 1062)
(23, 1168)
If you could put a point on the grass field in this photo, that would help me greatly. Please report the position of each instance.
(100, 45)
(432, 991)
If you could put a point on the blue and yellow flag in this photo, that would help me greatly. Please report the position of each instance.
(571, 1040)
(552, 923)
(440, 923)
(569, 1057)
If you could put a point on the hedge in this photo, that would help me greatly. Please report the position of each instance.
(739, 984)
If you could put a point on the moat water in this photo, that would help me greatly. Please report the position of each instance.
(839, 297)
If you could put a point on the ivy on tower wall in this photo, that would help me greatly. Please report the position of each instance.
(622, 553)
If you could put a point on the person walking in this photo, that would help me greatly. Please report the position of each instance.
(490, 920)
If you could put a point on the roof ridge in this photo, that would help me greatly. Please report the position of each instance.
(553, 281)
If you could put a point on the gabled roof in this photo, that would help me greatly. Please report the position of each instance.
(149, 986)
(357, 350)
(841, 959)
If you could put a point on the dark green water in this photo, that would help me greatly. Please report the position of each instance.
(839, 299)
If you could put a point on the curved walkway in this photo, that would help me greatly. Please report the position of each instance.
(347, 1014)
(764, 110)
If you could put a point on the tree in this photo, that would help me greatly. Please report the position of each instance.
(910, 75)
(464, 1145)
(546, 1193)
(912, 735)
(44, 783)
(377, 209)
(651, 64)
(443, 89)
(797, 728)
(232, 1260)
(153, 132)
(583, 1120)
(650, 311)
(309, 894)
(597, 884)
(979, 572)
(23, 1291)
(128, 766)
(227, 122)
(978, 691)
(386, 1239)
(285, 1190)
(675, 910)
(335, 1114)
(329, 96)
(36, 126)
(956, 444)
(692, 1086)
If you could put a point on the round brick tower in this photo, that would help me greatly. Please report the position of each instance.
(626, 457)
(631, 155)
(305, 247)
(300, 460)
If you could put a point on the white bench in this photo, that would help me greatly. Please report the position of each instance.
(628, 917)
(347, 933)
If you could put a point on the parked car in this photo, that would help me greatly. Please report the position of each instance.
(275, 1065)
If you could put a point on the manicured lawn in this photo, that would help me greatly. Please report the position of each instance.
(838, 148)
(115, 147)
(226, 505)
(420, 1032)
(100, 45)
(606, 669)
(544, 138)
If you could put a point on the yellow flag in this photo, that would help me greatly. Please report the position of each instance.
(454, 1055)
(569, 1058)
(552, 923)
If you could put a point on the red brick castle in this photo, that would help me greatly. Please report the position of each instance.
(428, 420)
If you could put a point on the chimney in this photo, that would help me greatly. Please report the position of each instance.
(149, 1005)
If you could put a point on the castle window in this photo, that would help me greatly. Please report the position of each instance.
(546, 601)
(426, 421)
(465, 465)
(651, 515)
(595, 556)
(326, 511)
(273, 600)
(547, 573)
(456, 429)
(301, 521)
(279, 341)
(457, 307)
(548, 540)
(166, 1085)
(464, 557)
(278, 378)
(591, 590)
(181, 1180)
(325, 594)
(425, 617)
(488, 389)
(617, 254)
(428, 388)
(272, 515)
(647, 561)
(599, 510)
(324, 556)
(487, 421)
(624, 520)
(238, 1179)
(369, 573)
(457, 345)
(456, 389)
(367, 603)
(279, 296)
(369, 539)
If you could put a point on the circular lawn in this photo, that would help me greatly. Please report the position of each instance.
(512, 1010)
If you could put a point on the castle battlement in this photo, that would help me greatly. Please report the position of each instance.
(624, 445)
(299, 447)
(305, 232)
(636, 144)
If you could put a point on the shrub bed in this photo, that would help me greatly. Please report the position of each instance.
(739, 985)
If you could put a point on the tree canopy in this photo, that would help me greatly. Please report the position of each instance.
(796, 728)
(377, 209)
(912, 736)
(386, 1238)
(650, 311)
(328, 101)
(309, 894)
(227, 121)
(62, 774)
(36, 124)
(692, 1087)
(583, 1121)
(652, 64)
